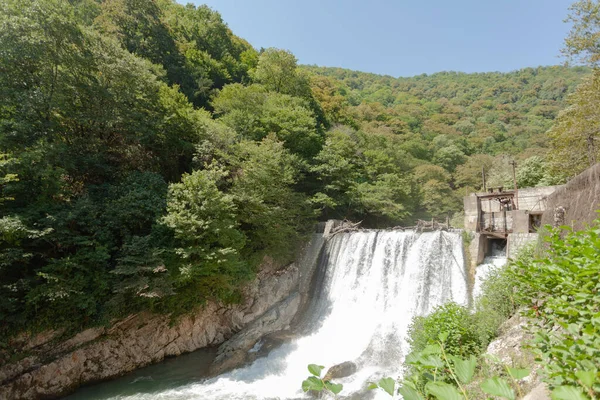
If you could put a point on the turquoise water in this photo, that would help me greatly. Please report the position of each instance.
(157, 378)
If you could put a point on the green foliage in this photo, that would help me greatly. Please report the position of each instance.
(364, 176)
(277, 71)
(273, 215)
(561, 292)
(462, 337)
(7, 178)
(254, 113)
(498, 387)
(208, 240)
(495, 305)
(582, 42)
(435, 374)
(97, 117)
(574, 136)
(315, 383)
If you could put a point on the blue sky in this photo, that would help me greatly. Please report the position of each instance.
(404, 37)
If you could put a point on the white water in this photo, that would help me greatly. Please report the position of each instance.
(374, 283)
(491, 263)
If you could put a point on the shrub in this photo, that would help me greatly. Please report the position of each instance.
(562, 292)
(452, 318)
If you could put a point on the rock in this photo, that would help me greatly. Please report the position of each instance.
(509, 345)
(340, 371)
(540, 392)
(234, 352)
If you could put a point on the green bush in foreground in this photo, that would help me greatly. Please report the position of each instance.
(563, 295)
(498, 300)
(452, 318)
(436, 374)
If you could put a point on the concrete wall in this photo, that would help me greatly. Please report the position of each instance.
(516, 241)
(478, 248)
(580, 198)
(520, 221)
(536, 198)
(472, 211)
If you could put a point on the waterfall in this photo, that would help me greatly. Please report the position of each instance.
(497, 259)
(372, 284)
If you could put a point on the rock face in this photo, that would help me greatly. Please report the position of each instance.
(279, 318)
(510, 349)
(53, 369)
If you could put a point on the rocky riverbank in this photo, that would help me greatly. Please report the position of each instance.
(49, 368)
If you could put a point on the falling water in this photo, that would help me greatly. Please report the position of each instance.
(495, 260)
(373, 283)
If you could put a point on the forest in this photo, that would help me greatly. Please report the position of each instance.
(150, 158)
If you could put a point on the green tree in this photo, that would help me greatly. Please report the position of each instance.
(272, 214)
(469, 174)
(574, 136)
(278, 71)
(581, 44)
(338, 167)
(7, 177)
(208, 240)
(449, 157)
(255, 113)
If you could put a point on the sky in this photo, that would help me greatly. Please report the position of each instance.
(404, 37)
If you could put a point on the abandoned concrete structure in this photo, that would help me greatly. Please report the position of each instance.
(510, 216)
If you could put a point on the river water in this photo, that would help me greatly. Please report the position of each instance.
(372, 284)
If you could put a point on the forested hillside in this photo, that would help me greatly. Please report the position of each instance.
(150, 158)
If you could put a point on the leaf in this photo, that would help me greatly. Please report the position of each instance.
(498, 387)
(443, 336)
(335, 388)
(409, 393)
(492, 358)
(431, 349)
(517, 373)
(568, 393)
(465, 368)
(586, 377)
(312, 383)
(372, 385)
(315, 369)
(431, 362)
(443, 391)
(387, 384)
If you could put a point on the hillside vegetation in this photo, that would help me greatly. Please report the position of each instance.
(150, 158)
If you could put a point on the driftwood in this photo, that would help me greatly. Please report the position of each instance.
(421, 226)
(432, 225)
(425, 226)
(346, 226)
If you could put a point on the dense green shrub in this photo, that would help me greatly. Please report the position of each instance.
(498, 300)
(455, 319)
(562, 292)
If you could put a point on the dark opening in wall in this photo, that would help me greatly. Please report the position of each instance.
(535, 221)
(495, 246)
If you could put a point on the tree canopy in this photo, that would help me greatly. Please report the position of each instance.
(150, 159)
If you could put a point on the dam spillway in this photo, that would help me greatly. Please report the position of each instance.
(370, 286)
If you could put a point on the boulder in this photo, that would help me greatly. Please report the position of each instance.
(342, 370)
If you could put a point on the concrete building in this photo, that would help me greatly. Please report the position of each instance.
(508, 216)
